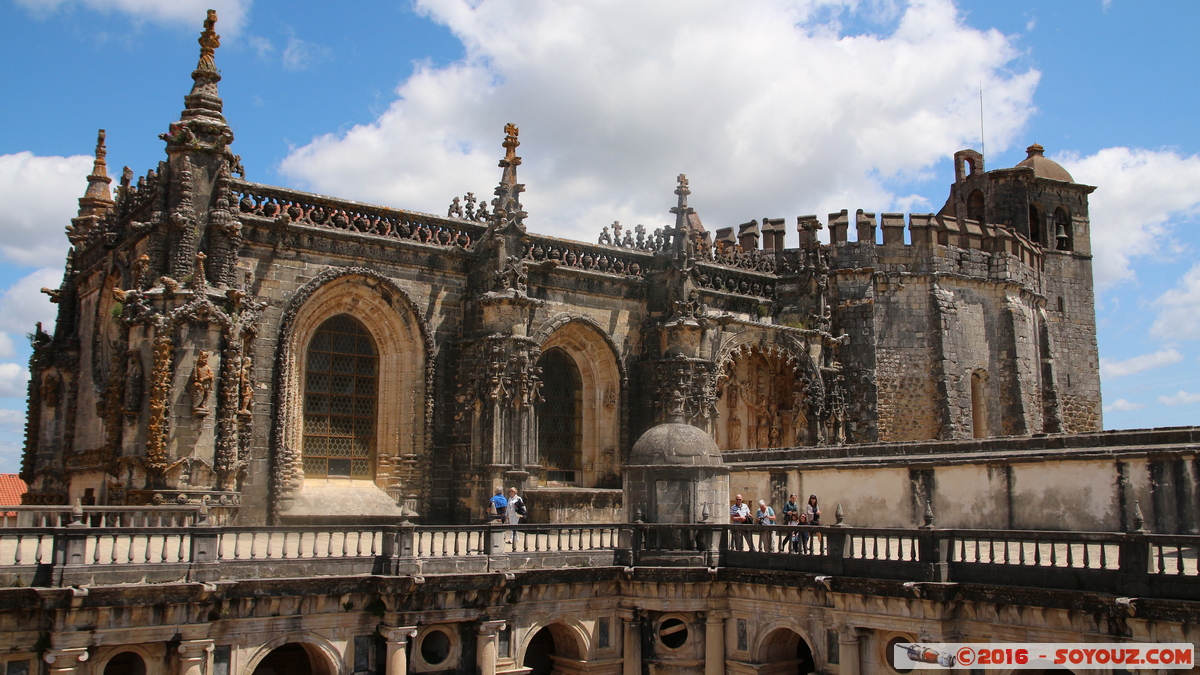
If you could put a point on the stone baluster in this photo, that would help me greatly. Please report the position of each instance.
(485, 646)
(397, 647)
(65, 661)
(193, 656)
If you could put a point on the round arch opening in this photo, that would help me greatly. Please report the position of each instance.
(552, 641)
(784, 646)
(125, 663)
(293, 658)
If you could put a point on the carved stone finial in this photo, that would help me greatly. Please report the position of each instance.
(510, 141)
(1139, 521)
(209, 41)
(839, 515)
(928, 517)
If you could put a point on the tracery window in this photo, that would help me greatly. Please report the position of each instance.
(560, 418)
(340, 397)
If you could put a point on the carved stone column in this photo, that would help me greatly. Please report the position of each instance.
(851, 661)
(485, 646)
(714, 643)
(397, 647)
(65, 661)
(193, 656)
(631, 647)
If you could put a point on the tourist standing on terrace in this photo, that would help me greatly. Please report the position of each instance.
(739, 514)
(497, 506)
(812, 513)
(764, 516)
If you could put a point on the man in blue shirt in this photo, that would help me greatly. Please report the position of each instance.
(739, 514)
(497, 506)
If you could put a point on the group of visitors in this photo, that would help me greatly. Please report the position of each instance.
(509, 510)
(796, 541)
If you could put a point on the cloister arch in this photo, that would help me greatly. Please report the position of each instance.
(564, 640)
(404, 361)
(601, 379)
(296, 654)
(125, 662)
(787, 649)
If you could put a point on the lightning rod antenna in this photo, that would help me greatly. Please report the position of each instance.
(982, 144)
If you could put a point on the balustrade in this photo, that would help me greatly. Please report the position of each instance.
(79, 545)
(317, 211)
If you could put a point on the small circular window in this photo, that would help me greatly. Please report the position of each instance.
(435, 648)
(891, 654)
(673, 633)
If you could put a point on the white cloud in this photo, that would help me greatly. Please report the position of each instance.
(10, 456)
(300, 54)
(1179, 309)
(23, 304)
(40, 195)
(1121, 405)
(1141, 194)
(13, 380)
(1137, 364)
(231, 13)
(1180, 398)
(766, 107)
(12, 421)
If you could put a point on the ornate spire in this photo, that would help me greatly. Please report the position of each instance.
(204, 99)
(682, 212)
(508, 212)
(98, 197)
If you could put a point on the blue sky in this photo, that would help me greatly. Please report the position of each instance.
(772, 109)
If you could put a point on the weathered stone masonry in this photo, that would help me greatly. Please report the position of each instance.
(179, 368)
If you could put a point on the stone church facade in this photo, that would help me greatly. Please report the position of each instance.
(291, 356)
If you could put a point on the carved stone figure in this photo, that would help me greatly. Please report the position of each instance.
(247, 391)
(201, 384)
(134, 383)
(51, 384)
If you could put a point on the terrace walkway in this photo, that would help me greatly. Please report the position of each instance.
(115, 545)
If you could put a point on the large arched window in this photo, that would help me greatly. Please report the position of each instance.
(560, 418)
(340, 400)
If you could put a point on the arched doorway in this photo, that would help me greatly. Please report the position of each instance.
(788, 651)
(293, 658)
(125, 663)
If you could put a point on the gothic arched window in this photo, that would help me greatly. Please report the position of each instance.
(340, 400)
(560, 418)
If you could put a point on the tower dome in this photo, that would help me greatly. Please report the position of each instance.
(675, 444)
(1043, 167)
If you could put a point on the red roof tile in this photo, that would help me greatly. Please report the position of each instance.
(11, 489)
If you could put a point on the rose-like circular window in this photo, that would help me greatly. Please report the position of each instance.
(673, 633)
